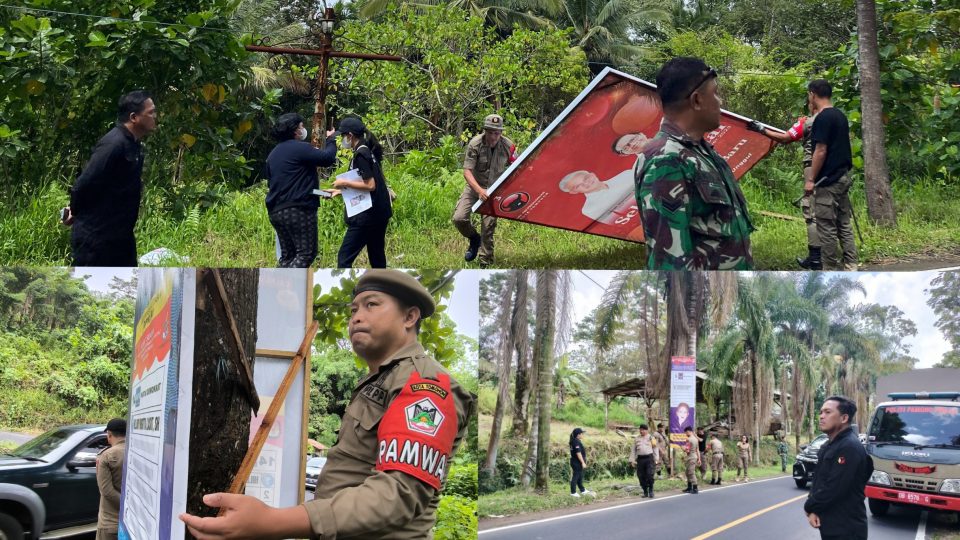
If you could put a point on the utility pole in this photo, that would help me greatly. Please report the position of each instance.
(320, 83)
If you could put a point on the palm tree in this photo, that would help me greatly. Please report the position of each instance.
(745, 354)
(543, 356)
(601, 28)
(500, 14)
(567, 381)
(519, 325)
(503, 375)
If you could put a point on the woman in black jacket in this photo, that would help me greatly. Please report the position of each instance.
(368, 228)
(578, 460)
(291, 172)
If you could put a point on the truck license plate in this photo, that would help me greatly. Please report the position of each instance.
(910, 497)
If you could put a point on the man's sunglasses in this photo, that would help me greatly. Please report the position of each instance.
(709, 74)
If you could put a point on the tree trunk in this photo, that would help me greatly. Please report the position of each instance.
(543, 356)
(530, 462)
(876, 175)
(754, 383)
(518, 325)
(503, 379)
(220, 418)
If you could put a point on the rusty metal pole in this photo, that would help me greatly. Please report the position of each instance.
(320, 91)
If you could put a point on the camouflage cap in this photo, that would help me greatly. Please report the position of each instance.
(399, 285)
(493, 121)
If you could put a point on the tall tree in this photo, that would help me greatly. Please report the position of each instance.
(503, 373)
(519, 325)
(944, 298)
(543, 353)
(876, 174)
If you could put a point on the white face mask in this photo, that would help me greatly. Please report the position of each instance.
(302, 134)
(345, 142)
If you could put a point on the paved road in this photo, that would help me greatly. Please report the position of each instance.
(764, 509)
(18, 438)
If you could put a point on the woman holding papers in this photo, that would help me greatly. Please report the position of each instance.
(291, 172)
(365, 196)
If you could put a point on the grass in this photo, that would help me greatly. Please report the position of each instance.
(943, 526)
(237, 232)
(516, 501)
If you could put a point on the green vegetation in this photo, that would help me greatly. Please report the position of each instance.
(204, 195)
(64, 350)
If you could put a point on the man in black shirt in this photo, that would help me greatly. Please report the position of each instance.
(105, 198)
(835, 504)
(830, 180)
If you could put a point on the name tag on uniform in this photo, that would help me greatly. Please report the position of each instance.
(375, 394)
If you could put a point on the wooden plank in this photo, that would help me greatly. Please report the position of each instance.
(274, 353)
(224, 311)
(778, 216)
(253, 452)
(306, 389)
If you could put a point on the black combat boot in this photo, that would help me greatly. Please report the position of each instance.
(695, 491)
(813, 261)
(719, 480)
(474, 248)
(689, 487)
(645, 492)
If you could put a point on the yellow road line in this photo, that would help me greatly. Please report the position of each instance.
(722, 528)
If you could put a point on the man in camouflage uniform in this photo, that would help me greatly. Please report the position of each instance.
(693, 460)
(644, 456)
(487, 156)
(782, 449)
(800, 131)
(398, 436)
(694, 214)
(829, 180)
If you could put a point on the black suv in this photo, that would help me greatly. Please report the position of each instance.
(49, 484)
(806, 462)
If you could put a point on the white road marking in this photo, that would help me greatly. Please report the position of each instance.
(922, 527)
(578, 514)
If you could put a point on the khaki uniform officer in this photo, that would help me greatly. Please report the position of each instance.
(110, 479)
(716, 460)
(487, 156)
(693, 460)
(397, 439)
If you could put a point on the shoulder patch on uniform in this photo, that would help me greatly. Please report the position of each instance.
(424, 416)
(429, 387)
(417, 432)
(841, 460)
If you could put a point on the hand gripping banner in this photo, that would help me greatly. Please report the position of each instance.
(417, 432)
(578, 174)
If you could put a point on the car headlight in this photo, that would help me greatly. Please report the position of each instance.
(950, 486)
(880, 477)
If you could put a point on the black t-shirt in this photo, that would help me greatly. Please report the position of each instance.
(831, 128)
(291, 172)
(702, 444)
(577, 446)
(369, 167)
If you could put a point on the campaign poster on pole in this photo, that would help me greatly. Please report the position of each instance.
(579, 173)
(154, 487)
(683, 398)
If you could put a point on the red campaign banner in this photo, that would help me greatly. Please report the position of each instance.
(578, 174)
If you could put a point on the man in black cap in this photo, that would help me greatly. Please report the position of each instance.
(403, 424)
(105, 198)
(110, 479)
(835, 504)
